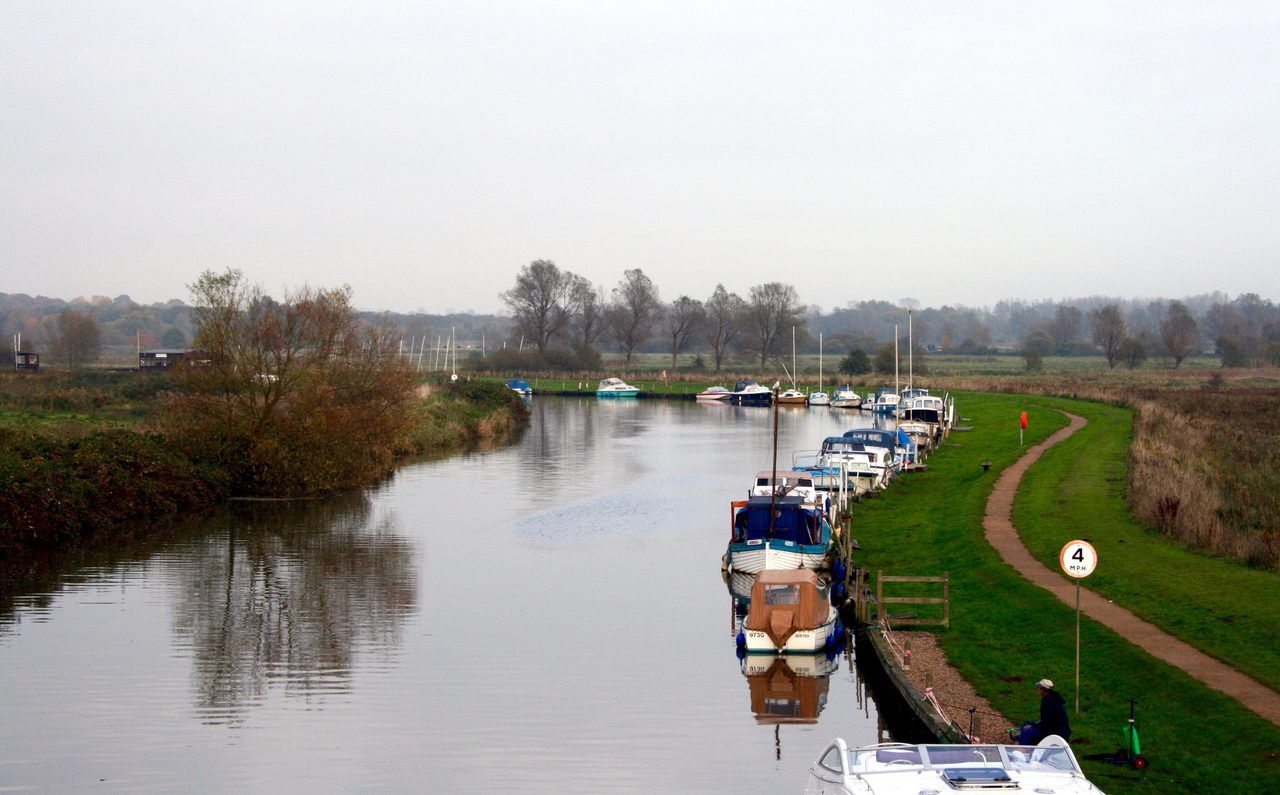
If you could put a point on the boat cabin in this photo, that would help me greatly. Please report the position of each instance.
(785, 482)
(786, 600)
(783, 518)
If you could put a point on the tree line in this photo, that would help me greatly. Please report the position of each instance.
(568, 321)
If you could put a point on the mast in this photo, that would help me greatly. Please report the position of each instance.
(911, 349)
(773, 473)
(895, 357)
(819, 361)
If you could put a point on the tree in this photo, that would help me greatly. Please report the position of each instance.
(299, 397)
(685, 316)
(772, 310)
(1178, 332)
(542, 301)
(856, 363)
(1032, 357)
(1108, 331)
(886, 360)
(633, 313)
(1233, 354)
(74, 338)
(1064, 328)
(588, 321)
(722, 323)
(1132, 352)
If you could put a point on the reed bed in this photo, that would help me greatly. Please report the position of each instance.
(1203, 466)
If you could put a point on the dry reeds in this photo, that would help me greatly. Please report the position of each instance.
(1204, 466)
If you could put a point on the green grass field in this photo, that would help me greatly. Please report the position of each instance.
(1005, 634)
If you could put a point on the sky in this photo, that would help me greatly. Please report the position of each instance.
(424, 152)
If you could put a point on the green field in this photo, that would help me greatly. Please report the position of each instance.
(1005, 633)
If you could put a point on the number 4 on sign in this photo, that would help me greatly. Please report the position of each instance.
(1078, 559)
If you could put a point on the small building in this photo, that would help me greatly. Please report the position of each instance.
(158, 359)
(26, 362)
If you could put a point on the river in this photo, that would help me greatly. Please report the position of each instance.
(548, 616)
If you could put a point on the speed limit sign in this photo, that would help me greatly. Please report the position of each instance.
(1078, 559)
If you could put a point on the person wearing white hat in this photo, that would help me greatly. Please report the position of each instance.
(1053, 717)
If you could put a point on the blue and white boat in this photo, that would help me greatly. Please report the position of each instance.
(885, 401)
(616, 388)
(749, 393)
(889, 441)
(777, 533)
(520, 387)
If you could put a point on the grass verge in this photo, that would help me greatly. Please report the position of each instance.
(1005, 633)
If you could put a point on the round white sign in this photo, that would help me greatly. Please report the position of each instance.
(1078, 559)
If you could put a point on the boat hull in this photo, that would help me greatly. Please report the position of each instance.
(748, 557)
(618, 393)
(802, 641)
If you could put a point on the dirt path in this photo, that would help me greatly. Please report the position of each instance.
(1004, 537)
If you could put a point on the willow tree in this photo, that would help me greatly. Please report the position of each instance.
(293, 397)
(633, 312)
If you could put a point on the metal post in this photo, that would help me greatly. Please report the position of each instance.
(1077, 647)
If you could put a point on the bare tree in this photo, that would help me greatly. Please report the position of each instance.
(685, 316)
(1108, 331)
(773, 309)
(588, 322)
(543, 301)
(634, 311)
(74, 338)
(1065, 327)
(1178, 332)
(724, 312)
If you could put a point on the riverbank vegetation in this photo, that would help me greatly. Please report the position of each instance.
(1006, 634)
(290, 398)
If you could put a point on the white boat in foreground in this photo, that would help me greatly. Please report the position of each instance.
(901, 769)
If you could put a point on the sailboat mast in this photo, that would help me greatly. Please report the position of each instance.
(895, 357)
(911, 349)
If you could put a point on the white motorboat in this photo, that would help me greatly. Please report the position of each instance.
(616, 388)
(749, 393)
(790, 613)
(885, 401)
(786, 483)
(713, 393)
(902, 769)
(819, 398)
(792, 397)
(845, 398)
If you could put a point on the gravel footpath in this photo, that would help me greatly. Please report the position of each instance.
(931, 669)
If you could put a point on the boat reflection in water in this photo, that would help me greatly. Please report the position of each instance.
(790, 688)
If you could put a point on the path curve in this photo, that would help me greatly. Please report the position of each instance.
(1002, 535)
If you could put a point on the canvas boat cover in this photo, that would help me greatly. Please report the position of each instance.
(784, 601)
(792, 520)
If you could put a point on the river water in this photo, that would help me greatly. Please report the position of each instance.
(544, 617)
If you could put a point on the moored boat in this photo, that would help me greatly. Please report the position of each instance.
(845, 398)
(902, 769)
(749, 393)
(616, 388)
(792, 397)
(770, 532)
(885, 401)
(520, 387)
(790, 613)
(713, 393)
(819, 398)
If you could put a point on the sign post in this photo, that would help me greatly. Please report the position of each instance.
(1078, 559)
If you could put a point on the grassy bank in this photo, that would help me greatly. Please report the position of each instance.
(1006, 634)
(78, 468)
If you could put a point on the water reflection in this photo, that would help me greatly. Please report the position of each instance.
(790, 688)
(286, 595)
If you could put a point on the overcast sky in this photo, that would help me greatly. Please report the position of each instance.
(423, 152)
